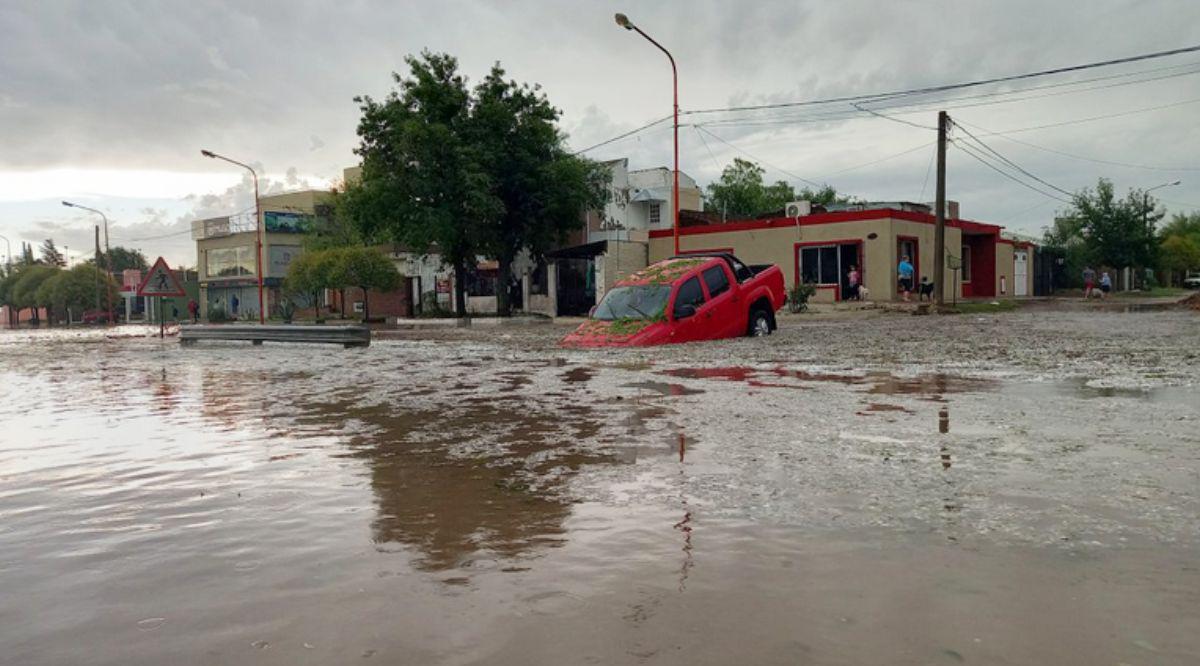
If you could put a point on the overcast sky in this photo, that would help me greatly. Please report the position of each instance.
(109, 103)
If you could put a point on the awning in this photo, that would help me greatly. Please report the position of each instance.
(585, 251)
(652, 194)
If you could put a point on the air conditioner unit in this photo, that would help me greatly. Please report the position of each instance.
(798, 209)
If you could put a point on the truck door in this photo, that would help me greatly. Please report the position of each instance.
(724, 307)
(688, 322)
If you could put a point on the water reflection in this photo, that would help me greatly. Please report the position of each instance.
(478, 480)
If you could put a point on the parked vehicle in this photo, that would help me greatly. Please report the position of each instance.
(685, 299)
(95, 317)
(1192, 281)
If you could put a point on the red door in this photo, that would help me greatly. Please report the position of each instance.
(690, 320)
(724, 305)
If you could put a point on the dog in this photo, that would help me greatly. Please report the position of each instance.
(864, 294)
(925, 290)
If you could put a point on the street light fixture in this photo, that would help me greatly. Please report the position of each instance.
(8, 245)
(624, 22)
(258, 262)
(107, 254)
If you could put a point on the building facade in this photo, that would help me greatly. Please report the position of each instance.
(226, 256)
(820, 249)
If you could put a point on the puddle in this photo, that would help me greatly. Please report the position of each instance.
(578, 375)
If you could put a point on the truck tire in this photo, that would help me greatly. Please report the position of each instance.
(760, 323)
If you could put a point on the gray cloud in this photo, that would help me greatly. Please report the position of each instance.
(109, 84)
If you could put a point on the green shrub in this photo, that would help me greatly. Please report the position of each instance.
(798, 296)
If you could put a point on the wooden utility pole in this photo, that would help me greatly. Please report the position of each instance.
(939, 239)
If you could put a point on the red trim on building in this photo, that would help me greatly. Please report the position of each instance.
(829, 218)
(715, 250)
(837, 294)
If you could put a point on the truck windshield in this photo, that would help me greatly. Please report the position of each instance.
(645, 301)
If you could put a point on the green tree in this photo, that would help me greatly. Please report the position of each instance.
(1117, 232)
(122, 259)
(1180, 254)
(50, 254)
(366, 268)
(78, 289)
(422, 185)
(310, 274)
(1182, 224)
(24, 290)
(740, 192)
(537, 189)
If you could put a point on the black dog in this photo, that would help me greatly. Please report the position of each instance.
(925, 290)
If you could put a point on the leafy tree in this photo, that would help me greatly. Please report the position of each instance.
(365, 268)
(24, 290)
(740, 192)
(1180, 253)
(422, 185)
(536, 187)
(50, 254)
(122, 259)
(310, 274)
(1117, 232)
(470, 172)
(77, 289)
(27, 255)
(1182, 225)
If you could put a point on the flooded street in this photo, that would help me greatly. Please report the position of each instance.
(487, 498)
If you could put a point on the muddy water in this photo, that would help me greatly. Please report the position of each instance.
(491, 499)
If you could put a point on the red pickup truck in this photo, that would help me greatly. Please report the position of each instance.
(685, 299)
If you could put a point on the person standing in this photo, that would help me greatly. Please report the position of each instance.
(194, 310)
(233, 306)
(905, 271)
(853, 279)
(1089, 281)
(1105, 284)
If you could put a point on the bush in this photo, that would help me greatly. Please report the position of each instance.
(798, 296)
(217, 315)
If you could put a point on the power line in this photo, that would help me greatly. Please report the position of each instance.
(1014, 164)
(625, 135)
(1074, 156)
(757, 159)
(1078, 121)
(895, 120)
(969, 151)
(928, 169)
(959, 86)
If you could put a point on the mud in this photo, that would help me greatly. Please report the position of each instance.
(485, 497)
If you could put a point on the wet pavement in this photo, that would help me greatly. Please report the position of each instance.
(485, 497)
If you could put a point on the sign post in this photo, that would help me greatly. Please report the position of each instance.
(160, 281)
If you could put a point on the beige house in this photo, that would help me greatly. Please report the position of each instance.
(820, 248)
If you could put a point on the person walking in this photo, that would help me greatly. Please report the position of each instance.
(1105, 284)
(194, 310)
(905, 271)
(853, 279)
(1089, 282)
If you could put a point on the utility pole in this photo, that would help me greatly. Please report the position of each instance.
(97, 272)
(939, 239)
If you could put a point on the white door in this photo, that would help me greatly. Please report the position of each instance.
(1021, 273)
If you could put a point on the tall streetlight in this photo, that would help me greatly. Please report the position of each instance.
(262, 318)
(7, 245)
(624, 22)
(1146, 204)
(107, 254)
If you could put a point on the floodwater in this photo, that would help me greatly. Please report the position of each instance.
(487, 498)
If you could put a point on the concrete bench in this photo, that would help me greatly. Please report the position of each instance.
(347, 336)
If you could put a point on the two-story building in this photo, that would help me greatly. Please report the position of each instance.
(226, 257)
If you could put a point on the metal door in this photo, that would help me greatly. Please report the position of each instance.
(1021, 273)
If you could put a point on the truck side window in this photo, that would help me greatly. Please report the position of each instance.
(689, 294)
(741, 271)
(717, 283)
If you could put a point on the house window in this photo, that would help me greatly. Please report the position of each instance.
(655, 213)
(966, 263)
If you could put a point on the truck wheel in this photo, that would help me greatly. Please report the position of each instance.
(760, 323)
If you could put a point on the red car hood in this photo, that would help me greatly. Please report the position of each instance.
(619, 333)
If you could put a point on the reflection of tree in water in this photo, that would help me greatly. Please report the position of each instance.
(485, 477)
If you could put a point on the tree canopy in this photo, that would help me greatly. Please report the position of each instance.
(480, 171)
(122, 259)
(1115, 232)
(51, 255)
(741, 193)
(1179, 244)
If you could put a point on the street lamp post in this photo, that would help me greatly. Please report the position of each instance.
(107, 255)
(258, 221)
(624, 22)
(1146, 206)
(8, 247)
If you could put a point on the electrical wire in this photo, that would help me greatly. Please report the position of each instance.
(757, 159)
(980, 158)
(625, 135)
(1012, 163)
(959, 86)
(1148, 167)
